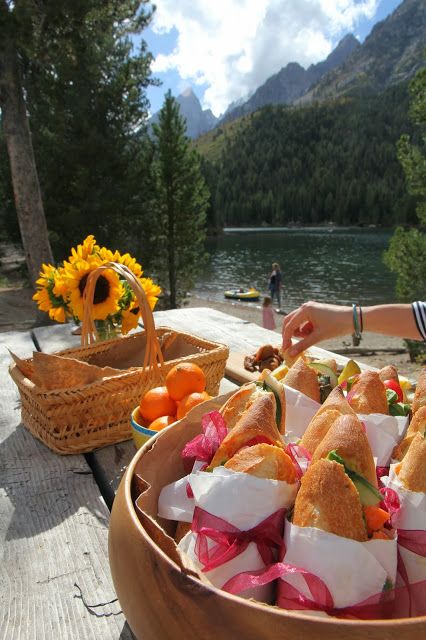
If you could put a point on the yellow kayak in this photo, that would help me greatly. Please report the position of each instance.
(243, 294)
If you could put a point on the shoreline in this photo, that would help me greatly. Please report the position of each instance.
(18, 313)
(380, 346)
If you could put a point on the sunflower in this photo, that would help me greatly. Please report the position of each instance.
(152, 291)
(50, 295)
(130, 317)
(108, 288)
(126, 259)
(84, 250)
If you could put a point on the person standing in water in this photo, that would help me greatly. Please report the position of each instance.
(275, 281)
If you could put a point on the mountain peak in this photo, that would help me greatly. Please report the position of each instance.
(197, 120)
(188, 93)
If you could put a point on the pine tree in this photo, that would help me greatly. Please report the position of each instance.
(406, 255)
(180, 201)
(17, 134)
(84, 87)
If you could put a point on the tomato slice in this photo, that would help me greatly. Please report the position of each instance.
(392, 384)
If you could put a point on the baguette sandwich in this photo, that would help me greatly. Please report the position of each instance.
(368, 394)
(417, 425)
(261, 460)
(419, 399)
(347, 438)
(328, 500)
(335, 406)
(244, 397)
(336, 499)
(313, 378)
(389, 372)
(412, 470)
(256, 424)
(264, 461)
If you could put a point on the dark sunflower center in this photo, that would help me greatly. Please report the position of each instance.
(101, 288)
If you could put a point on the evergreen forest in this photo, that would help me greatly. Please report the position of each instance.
(330, 162)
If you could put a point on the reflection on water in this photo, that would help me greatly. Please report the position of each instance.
(341, 265)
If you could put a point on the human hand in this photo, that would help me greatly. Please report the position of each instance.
(314, 322)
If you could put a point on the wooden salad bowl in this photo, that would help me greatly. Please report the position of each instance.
(162, 600)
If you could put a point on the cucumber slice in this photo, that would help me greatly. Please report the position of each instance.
(368, 495)
(325, 370)
(271, 384)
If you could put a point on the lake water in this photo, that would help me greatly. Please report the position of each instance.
(339, 265)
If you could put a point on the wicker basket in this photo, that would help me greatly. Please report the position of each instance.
(84, 418)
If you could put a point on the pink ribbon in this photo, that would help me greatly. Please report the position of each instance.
(296, 453)
(380, 472)
(231, 541)
(204, 446)
(380, 605)
(247, 580)
(390, 502)
(414, 540)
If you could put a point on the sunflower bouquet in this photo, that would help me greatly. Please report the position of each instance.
(115, 307)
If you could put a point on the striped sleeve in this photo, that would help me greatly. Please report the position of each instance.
(419, 310)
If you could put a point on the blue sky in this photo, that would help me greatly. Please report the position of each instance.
(225, 49)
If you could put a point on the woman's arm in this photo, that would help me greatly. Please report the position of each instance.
(315, 321)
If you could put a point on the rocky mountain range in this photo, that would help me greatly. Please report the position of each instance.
(198, 121)
(392, 53)
(293, 81)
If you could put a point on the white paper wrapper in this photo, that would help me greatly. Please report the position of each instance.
(173, 501)
(411, 516)
(383, 433)
(244, 501)
(353, 571)
(299, 412)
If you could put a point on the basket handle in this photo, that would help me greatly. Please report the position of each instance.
(153, 355)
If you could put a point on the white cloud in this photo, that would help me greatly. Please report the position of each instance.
(233, 46)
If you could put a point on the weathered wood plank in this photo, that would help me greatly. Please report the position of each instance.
(241, 336)
(53, 533)
(56, 338)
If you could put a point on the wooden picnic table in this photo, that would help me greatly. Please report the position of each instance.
(54, 510)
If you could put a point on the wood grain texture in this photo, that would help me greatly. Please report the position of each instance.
(239, 335)
(53, 533)
(56, 338)
(235, 368)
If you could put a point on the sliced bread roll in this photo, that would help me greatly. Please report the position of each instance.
(256, 425)
(412, 470)
(304, 379)
(334, 406)
(368, 394)
(389, 372)
(417, 425)
(235, 406)
(347, 437)
(419, 399)
(264, 461)
(328, 500)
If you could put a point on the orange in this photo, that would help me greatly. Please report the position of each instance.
(156, 403)
(161, 422)
(185, 378)
(189, 401)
